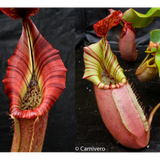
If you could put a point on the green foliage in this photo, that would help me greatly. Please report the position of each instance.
(140, 20)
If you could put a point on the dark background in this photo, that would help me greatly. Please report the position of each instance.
(57, 25)
(90, 130)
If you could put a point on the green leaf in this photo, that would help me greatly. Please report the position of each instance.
(140, 20)
(153, 12)
(157, 59)
(155, 36)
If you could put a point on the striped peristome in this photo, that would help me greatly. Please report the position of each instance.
(99, 57)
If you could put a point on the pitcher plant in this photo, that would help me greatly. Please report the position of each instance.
(34, 80)
(150, 67)
(131, 20)
(117, 103)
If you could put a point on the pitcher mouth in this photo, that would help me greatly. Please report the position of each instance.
(99, 61)
(147, 70)
(35, 57)
(108, 79)
(151, 62)
(110, 82)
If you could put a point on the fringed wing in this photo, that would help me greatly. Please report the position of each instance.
(97, 57)
(34, 54)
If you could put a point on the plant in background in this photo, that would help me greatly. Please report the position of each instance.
(118, 105)
(150, 67)
(127, 44)
(34, 80)
(130, 20)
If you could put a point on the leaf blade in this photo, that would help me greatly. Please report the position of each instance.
(140, 20)
(157, 59)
